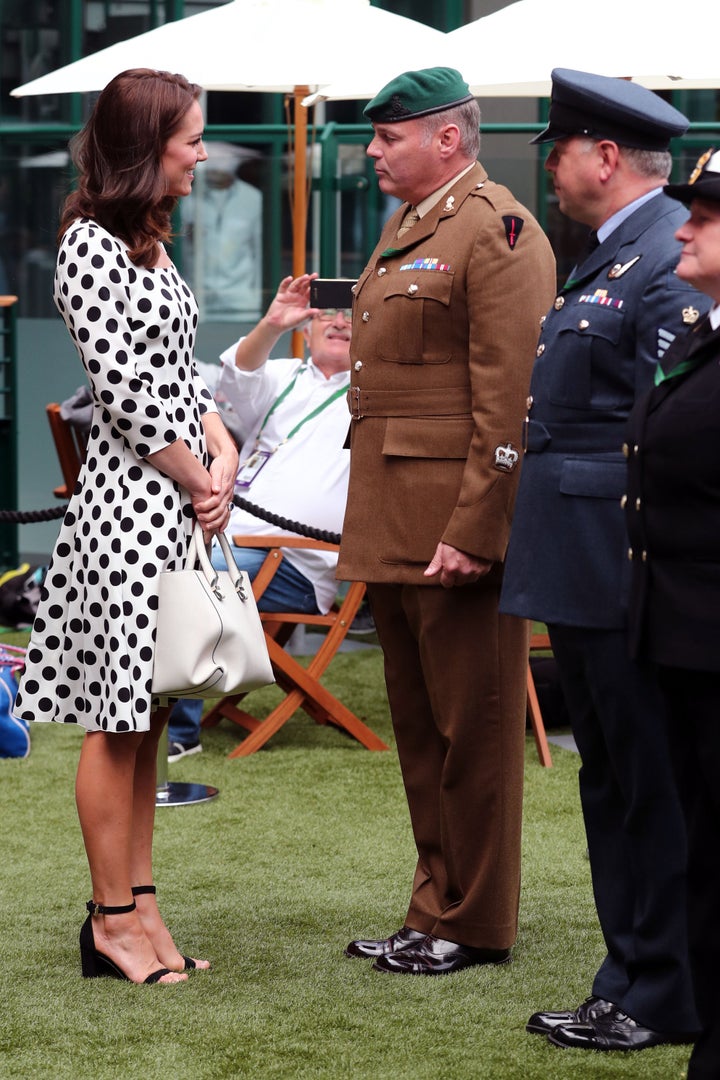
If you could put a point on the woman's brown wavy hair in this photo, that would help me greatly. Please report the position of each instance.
(118, 153)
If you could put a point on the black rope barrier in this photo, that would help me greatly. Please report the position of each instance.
(27, 517)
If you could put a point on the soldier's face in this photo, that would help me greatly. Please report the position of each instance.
(700, 256)
(403, 159)
(574, 164)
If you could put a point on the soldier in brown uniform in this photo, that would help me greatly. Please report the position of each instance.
(445, 324)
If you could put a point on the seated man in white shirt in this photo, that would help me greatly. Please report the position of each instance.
(293, 462)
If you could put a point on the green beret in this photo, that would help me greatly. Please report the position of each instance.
(418, 93)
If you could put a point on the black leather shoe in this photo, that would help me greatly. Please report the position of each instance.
(404, 938)
(542, 1023)
(614, 1030)
(435, 956)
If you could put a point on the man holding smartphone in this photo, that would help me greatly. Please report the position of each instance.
(293, 461)
(445, 324)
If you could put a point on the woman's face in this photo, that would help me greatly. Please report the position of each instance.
(183, 151)
(700, 256)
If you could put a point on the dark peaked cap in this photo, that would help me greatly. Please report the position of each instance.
(606, 108)
(704, 182)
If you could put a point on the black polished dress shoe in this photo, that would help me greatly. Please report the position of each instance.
(542, 1023)
(614, 1030)
(435, 956)
(404, 938)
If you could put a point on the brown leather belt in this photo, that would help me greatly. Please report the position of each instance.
(445, 401)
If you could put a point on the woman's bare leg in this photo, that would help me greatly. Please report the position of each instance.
(104, 792)
(142, 839)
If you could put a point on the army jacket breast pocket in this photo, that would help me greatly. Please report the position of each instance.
(415, 313)
(588, 370)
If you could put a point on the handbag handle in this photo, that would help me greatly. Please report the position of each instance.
(197, 553)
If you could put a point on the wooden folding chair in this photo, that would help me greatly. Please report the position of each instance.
(70, 445)
(537, 642)
(302, 686)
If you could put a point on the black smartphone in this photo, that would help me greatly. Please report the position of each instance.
(331, 292)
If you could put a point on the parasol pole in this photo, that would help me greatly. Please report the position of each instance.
(300, 199)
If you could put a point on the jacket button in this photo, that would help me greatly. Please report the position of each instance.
(540, 350)
(623, 502)
(630, 554)
(366, 316)
(644, 556)
(637, 504)
(381, 271)
(358, 365)
(559, 303)
(412, 289)
(583, 324)
(626, 450)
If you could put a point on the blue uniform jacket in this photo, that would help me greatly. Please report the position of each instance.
(600, 342)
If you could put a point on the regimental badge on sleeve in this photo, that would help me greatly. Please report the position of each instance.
(506, 457)
(513, 228)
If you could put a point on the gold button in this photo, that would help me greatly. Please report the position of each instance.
(637, 504)
(630, 554)
(644, 556)
(623, 502)
(542, 319)
(529, 402)
(583, 324)
(559, 303)
(540, 350)
(412, 289)
(366, 316)
(636, 449)
(381, 271)
(358, 365)
(626, 450)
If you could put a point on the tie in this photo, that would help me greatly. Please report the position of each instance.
(411, 218)
(592, 242)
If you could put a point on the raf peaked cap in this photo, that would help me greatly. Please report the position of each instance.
(704, 182)
(418, 93)
(606, 108)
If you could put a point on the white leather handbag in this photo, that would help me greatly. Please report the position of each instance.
(209, 639)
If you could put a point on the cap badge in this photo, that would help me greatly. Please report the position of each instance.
(690, 315)
(506, 457)
(513, 228)
(702, 160)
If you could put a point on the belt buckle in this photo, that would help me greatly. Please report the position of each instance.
(355, 413)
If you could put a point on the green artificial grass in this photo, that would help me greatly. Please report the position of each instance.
(307, 846)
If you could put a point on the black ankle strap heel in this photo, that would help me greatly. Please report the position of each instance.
(103, 909)
(95, 963)
(141, 890)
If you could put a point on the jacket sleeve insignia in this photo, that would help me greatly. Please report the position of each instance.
(506, 457)
(513, 228)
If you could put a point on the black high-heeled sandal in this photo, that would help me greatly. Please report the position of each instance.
(94, 963)
(140, 890)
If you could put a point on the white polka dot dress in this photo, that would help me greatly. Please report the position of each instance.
(90, 656)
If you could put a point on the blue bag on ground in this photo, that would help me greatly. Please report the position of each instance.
(14, 733)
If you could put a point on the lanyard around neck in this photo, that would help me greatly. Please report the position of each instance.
(310, 416)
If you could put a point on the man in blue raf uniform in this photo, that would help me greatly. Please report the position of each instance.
(567, 562)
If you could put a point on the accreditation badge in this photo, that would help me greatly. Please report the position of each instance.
(250, 468)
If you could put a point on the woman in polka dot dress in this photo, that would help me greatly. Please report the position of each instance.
(158, 458)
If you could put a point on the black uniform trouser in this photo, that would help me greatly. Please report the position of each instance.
(694, 703)
(634, 824)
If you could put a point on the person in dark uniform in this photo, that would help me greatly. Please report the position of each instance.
(673, 519)
(567, 561)
(445, 322)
